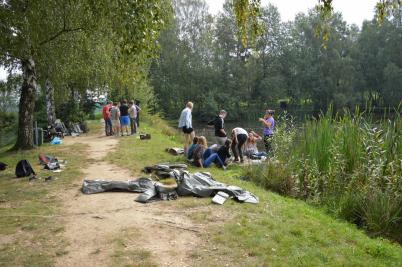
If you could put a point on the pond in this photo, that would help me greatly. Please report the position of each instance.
(201, 128)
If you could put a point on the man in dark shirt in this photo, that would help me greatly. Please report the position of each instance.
(124, 117)
(219, 125)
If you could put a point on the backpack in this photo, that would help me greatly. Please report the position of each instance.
(24, 169)
(3, 166)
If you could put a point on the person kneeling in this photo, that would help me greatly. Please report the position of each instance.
(204, 156)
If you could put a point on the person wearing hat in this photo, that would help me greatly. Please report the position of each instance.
(269, 127)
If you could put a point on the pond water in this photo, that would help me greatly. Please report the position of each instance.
(209, 132)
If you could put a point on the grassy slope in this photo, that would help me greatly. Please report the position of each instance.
(30, 229)
(279, 231)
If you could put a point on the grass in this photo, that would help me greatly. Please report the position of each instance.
(127, 250)
(279, 231)
(31, 233)
(351, 165)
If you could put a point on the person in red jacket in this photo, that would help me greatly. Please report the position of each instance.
(106, 117)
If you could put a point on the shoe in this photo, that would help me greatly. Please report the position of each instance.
(32, 178)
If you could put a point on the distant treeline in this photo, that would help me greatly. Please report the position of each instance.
(305, 65)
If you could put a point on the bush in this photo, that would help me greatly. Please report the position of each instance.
(349, 164)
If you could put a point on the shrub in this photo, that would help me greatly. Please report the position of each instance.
(350, 164)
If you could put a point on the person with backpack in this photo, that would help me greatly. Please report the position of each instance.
(186, 124)
(218, 124)
(115, 117)
(269, 127)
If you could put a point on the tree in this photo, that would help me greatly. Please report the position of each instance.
(29, 27)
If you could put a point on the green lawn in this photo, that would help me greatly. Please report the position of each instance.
(31, 228)
(279, 231)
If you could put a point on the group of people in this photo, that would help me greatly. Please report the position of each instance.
(119, 116)
(242, 142)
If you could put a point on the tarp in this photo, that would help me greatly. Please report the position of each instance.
(150, 190)
(201, 184)
(164, 170)
(197, 184)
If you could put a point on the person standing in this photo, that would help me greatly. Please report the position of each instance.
(125, 119)
(239, 138)
(269, 127)
(132, 112)
(106, 117)
(219, 125)
(115, 117)
(186, 124)
(137, 106)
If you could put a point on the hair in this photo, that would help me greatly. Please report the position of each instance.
(189, 104)
(124, 101)
(131, 102)
(115, 103)
(223, 112)
(202, 141)
(228, 142)
(270, 111)
(195, 140)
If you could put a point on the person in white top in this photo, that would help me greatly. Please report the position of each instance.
(186, 124)
(239, 138)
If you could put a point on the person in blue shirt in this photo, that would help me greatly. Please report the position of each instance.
(186, 124)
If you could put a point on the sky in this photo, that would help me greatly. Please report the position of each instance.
(353, 11)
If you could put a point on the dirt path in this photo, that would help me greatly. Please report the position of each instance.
(101, 218)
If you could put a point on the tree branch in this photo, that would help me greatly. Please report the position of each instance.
(62, 31)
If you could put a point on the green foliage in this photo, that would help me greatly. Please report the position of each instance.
(202, 60)
(350, 164)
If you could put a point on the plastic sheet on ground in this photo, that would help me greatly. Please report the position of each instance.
(150, 190)
(164, 170)
(201, 184)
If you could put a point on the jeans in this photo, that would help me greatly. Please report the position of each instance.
(108, 127)
(133, 125)
(214, 157)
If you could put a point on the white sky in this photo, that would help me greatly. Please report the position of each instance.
(353, 11)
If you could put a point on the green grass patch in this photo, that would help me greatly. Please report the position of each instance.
(128, 252)
(279, 231)
(31, 233)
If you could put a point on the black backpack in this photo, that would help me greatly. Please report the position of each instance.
(24, 169)
(3, 166)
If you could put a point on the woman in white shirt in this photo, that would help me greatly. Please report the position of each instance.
(239, 138)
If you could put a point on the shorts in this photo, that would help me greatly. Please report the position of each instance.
(187, 130)
(125, 120)
(116, 123)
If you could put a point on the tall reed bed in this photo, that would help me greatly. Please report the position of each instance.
(350, 164)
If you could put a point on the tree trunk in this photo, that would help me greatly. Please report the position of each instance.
(50, 107)
(27, 105)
